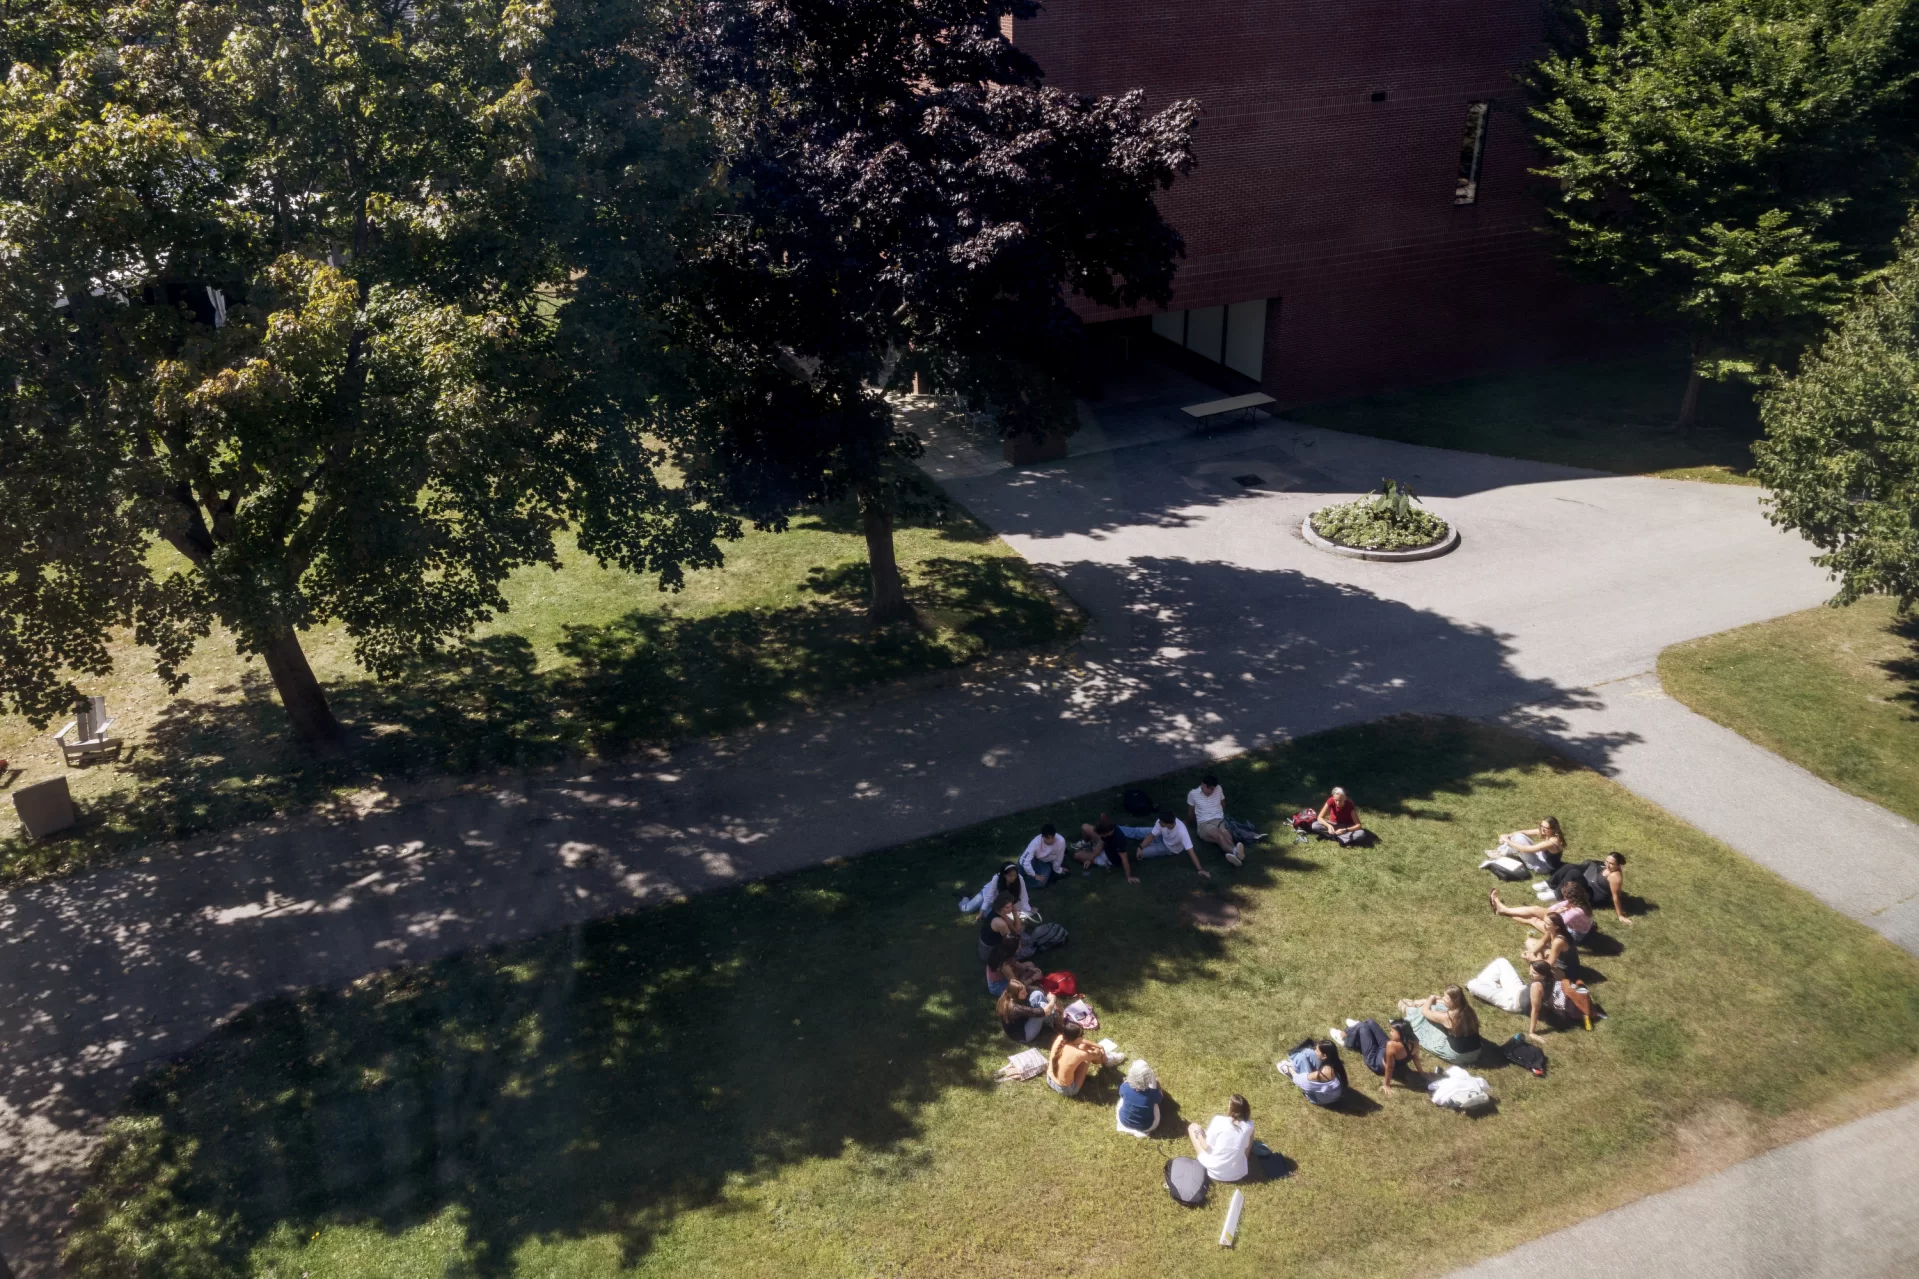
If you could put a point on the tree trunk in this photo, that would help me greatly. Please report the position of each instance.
(300, 693)
(1689, 402)
(888, 603)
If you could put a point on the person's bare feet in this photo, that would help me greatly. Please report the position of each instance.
(1492, 899)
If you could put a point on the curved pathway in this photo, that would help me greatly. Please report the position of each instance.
(1215, 629)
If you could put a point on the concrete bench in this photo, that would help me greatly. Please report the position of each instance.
(1213, 411)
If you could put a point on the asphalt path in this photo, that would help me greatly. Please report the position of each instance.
(1215, 629)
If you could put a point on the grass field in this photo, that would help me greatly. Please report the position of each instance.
(588, 660)
(1610, 416)
(1834, 690)
(793, 1077)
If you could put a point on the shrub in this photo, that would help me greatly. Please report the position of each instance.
(1383, 521)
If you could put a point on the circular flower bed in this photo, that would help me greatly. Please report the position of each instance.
(1384, 521)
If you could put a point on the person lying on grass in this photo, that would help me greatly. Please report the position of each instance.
(1008, 968)
(1317, 1071)
(1104, 845)
(1045, 857)
(1007, 880)
(1070, 1059)
(1206, 805)
(1604, 883)
(1022, 1019)
(1139, 1098)
(1168, 838)
(1539, 848)
(1446, 1026)
(1573, 908)
(1384, 1051)
(1540, 994)
(1337, 816)
(1222, 1145)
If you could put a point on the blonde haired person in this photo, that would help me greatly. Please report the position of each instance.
(1445, 1026)
(1138, 1111)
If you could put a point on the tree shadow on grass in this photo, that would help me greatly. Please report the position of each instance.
(608, 1078)
(486, 703)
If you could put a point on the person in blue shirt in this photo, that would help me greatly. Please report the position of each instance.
(1139, 1099)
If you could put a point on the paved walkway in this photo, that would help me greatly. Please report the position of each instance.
(1835, 1206)
(1216, 629)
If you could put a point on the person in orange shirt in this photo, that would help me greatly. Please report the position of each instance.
(1071, 1056)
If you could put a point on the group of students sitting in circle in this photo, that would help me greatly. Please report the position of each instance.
(1444, 1026)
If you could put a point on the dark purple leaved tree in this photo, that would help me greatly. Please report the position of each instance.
(905, 193)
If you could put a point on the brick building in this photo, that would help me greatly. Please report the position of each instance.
(1362, 216)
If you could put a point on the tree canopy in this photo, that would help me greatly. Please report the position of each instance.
(1841, 452)
(279, 287)
(904, 191)
(1734, 166)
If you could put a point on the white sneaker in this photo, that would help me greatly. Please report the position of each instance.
(1350, 1023)
(1236, 858)
(1239, 853)
(1338, 1036)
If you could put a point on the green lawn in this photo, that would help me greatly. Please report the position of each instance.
(588, 660)
(1834, 690)
(1611, 416)
(793, 1077)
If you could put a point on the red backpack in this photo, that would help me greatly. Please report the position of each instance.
(1061, 984)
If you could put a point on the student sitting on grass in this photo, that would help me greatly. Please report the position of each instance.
(1139, 1098)
(1020, 1017)
(1446, 1026)
(1045, 857)
(1166, 839)
(1002, 967)
(1206, 804)
(1221, 1146)
(1539, 848)
(1553, 946)
(1070, 1059)
(1337, 816)
(1008, 880)
(1002, 930)
(1317, 1071)
(1384, 1051)
(1104, 845)
(1604, 883)
(1572, 910)
(1537, 994)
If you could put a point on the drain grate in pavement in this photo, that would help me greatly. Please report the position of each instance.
(1247, 481)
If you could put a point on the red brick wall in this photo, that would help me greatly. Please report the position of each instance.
(1340, 207)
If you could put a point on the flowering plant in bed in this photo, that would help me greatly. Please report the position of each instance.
(1384, 520)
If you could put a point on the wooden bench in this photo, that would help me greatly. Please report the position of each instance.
(1213, 412)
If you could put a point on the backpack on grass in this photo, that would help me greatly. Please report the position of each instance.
(1524, 1055)
(1046, 937)
(1186, 1181)
(1137, 802)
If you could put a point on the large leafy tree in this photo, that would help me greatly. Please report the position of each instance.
(1841, 451)
(1735, 167)
(279, 290)
(904, 191)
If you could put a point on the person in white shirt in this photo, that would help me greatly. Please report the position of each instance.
(1206, 805)
(1045, 857)
(1166, 839)
(1007, 880)
(1221, 1147)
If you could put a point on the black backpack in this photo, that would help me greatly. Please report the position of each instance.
(1524, 1055)
(1136, 801)
(1186, 1181)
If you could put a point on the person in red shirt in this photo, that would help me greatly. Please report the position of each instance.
(1338, 815)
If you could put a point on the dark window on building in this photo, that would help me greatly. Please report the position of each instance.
(1471, 147)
